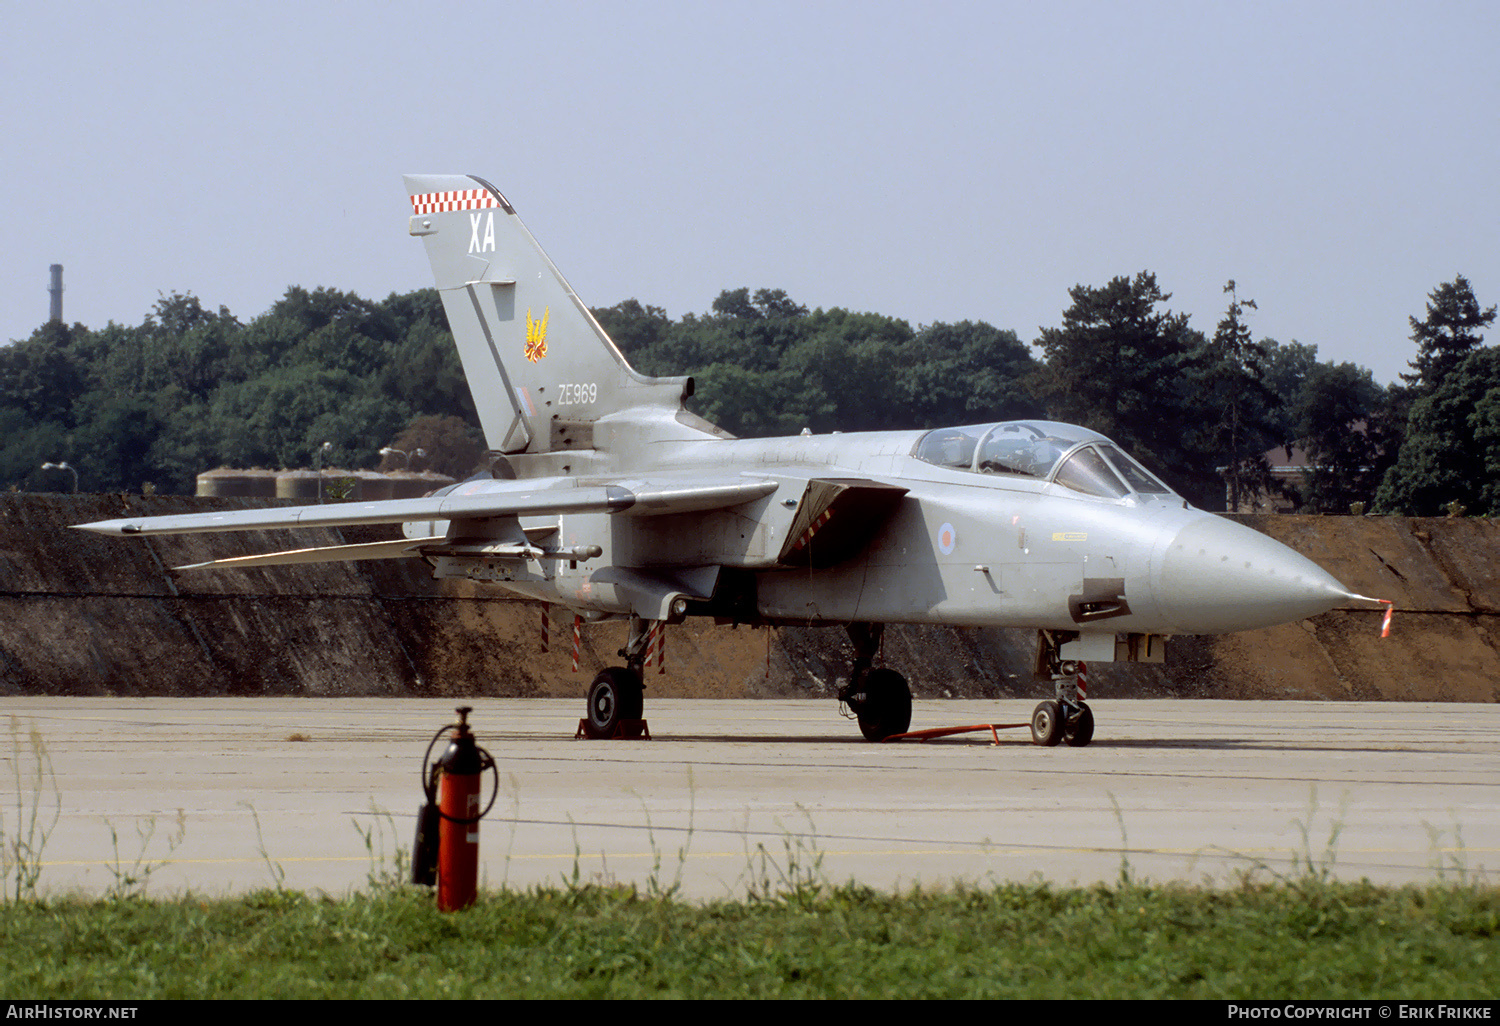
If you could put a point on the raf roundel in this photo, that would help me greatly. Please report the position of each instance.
(947, 539)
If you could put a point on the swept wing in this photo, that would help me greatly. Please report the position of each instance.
(486, 501)
(499, 499)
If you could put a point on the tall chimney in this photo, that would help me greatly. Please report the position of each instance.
(56, 291)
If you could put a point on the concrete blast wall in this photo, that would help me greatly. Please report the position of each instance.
(82, 614)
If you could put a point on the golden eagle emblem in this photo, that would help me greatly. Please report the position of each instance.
(536, 335)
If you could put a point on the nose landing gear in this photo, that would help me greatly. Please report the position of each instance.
(1065, 717)
(1053, 721)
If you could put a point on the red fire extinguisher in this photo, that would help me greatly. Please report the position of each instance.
(447, 844)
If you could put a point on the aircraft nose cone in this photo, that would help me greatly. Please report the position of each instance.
(1218, 576)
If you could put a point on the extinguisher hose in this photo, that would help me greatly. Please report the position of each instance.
(429, 780)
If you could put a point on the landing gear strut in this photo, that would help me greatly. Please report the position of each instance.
(617, 696)
(879, 697)
(1065, 717)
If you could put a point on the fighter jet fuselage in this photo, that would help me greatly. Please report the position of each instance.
(907, 540)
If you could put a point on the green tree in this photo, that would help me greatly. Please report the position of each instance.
(1439, 454)
(1447, 452)
(1485, 421)
(1121, 366)
(179, 313)
(736, 331)
(772, 303)
(964, 373)
(736, 303)
(842, 371)
(423, 372)
(190, 388)
(633, 327)
(1238, 407)
(114, 443)
(1285, 371)
(1344, 421)
(420, 308)
(750, 403)
(27, 444)
(738, 355)
(42, 376)
(1448, 334)
(1339, 422)
(323, 306)
(452, 447)
(280, 418)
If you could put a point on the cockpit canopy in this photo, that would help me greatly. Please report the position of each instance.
(1066, 454)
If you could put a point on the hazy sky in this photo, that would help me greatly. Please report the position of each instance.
(933, 161)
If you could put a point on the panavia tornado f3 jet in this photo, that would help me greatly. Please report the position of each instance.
(608, 497)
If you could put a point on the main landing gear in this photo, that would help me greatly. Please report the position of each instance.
(616, 701)
(1065, 718)
(617, 696)
(878, 696)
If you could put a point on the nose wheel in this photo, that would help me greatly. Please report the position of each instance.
(1053, 722)
(1047, 723)
(1065, 717)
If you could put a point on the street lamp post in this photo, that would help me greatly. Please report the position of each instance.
(318, 465)
(388, 451)
(64, 466)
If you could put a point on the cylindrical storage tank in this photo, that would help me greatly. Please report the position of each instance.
(372, 486)
(297, 484)
(226, 482)
(409, 485)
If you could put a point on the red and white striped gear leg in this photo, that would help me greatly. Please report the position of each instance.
(654, 643)
(577, 638)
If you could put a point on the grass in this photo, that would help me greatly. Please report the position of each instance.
(37, 804)
(1313, 939)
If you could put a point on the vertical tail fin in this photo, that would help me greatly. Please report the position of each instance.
(542, 370)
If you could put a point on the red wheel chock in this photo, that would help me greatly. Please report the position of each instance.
(625, 730)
